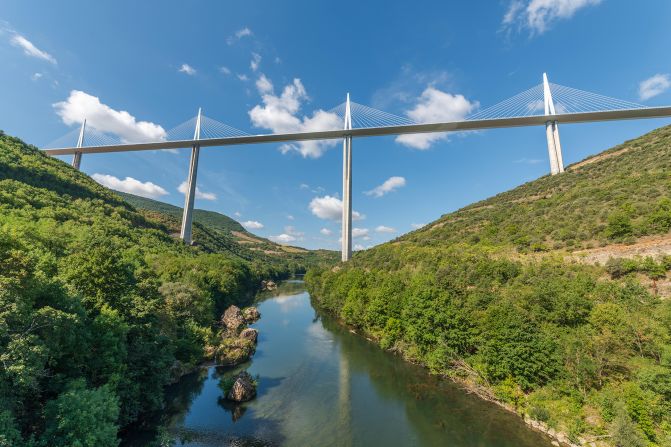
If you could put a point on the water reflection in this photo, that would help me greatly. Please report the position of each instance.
(321, 385)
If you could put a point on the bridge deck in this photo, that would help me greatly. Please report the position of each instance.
(566, 118)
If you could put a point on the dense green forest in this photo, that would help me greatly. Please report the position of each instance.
(496, 296)
(100, 307)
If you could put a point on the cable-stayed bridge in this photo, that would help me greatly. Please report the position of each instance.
(546, 104)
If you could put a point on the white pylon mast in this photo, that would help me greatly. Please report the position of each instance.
(77, 157)
(346, 249)
(189, 200)
(552, 131)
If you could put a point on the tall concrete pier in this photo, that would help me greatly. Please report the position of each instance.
(552, 131)
(190, 198)
(347, 187)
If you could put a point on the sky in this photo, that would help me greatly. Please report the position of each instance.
(138, 69)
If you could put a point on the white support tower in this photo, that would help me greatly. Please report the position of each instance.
(189, 200)
(552, 131)
(77, 157)
(346, 250)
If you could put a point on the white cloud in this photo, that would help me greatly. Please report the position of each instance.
(252, 225)
(537, 15)
(237, 214)
(279, 114)
(330, 208)
(282, 238)
(384, 229)
(434, 106)
(359, 232)
(242, 77)
(359, 247)
(255, 62)
(199, 194)
(292, 231)
(80, 105)
(654, 86)
(417, 226)
(389, 185)
(188, 69)
(36, 76)
(130, 185)
(225, 70)
(244, 32)
(264, 85)
(326, 231)
(290, 217)
(31, 50)
(528, 161)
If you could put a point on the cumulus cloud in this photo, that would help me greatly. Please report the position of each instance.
(330, 208)
(434, 106)
(237, 214)
(389, 185)
(359, 233)
(358, 247)
(282, 238)
(279, 113)
(417, 226)
(264, 85)
(255, 62)
(242, 77)
(326, 231)
(290, 217)
(80, 105)
(654, 86)
(252, 225)
(36, 76)
(244, 32)
(199, 194)
(384, 229)
(29, 49)
(225, 70)
(188, 69)
(538, 15)
(130, 185)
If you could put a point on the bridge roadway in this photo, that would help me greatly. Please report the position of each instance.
(564, 118)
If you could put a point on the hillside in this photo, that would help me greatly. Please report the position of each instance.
(100, 307)
(535, 298)
(217, 233)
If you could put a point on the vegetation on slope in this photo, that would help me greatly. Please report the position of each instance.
(100, 307)
(490, 295)
(217, 233)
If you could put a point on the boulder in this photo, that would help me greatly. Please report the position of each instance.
(233, 319)
(249, 334)
(268, 285)
(233, 351)
(243, 388)
(251, 314)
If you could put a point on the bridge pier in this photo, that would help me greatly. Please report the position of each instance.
(190, 195)
(346, 248)
(552, 131)
(77, 157)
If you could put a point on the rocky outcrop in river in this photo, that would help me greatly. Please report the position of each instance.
(237, 342)
(243, 388)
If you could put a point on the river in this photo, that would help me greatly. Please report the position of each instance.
(320, 385)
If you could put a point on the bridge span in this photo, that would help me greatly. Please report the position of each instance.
(545, 104)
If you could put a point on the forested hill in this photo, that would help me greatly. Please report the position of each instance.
(100, 307)
(551, 298)
(214, 232)
(209, 218)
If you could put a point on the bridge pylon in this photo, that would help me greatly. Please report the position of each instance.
(552, 131)
(346, 249)
(190, 195)
(77, 157)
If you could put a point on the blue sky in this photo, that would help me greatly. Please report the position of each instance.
(160, 61)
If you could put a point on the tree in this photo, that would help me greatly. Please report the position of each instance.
(82, 417)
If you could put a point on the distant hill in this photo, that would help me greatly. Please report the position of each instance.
(209, 218)
(215, 232)
(552, 298)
